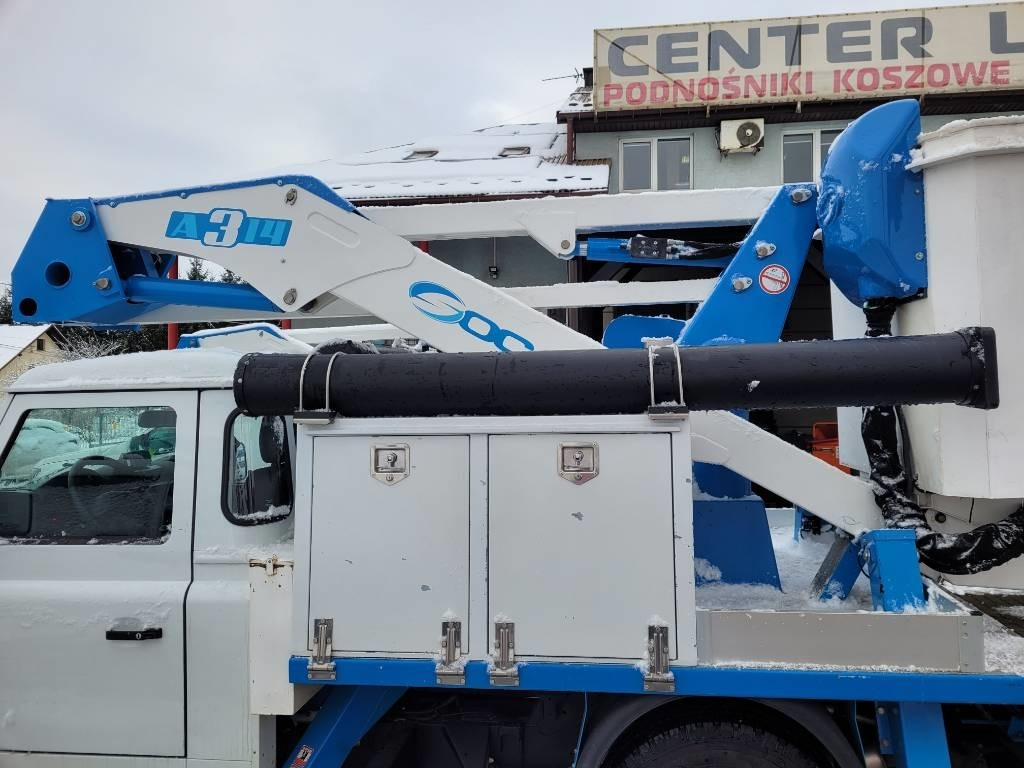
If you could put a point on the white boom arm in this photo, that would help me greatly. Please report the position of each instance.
(332, 253)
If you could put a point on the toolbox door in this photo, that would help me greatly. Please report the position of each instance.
(389, 551)
(582, 542)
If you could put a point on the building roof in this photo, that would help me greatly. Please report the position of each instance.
(504, 161)
(14, 339)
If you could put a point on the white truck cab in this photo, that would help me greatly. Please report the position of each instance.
(135, 495)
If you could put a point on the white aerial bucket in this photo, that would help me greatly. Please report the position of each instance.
(974, 214)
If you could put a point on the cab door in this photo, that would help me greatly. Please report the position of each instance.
(96, 518)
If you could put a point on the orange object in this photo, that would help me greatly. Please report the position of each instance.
(825, 443)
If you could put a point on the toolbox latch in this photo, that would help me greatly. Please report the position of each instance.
(657, 676)
(451, 668)
(504, 670)
(321, 665)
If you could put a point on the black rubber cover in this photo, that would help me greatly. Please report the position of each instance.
(957, 367)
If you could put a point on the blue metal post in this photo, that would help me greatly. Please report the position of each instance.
(892, 566)
(346, 716)
(914, 733)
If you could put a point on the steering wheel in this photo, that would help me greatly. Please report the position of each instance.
(79, 477)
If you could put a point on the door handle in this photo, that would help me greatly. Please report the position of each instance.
(149, 633)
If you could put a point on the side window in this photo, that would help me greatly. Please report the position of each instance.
(827, 137)
(636, 166)
(89, 476)
(804, 154)
(673, 163)
(257, 470)
(797, 157)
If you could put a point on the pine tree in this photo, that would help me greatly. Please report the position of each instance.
(230, 277)
(197, 270)
(6, 317)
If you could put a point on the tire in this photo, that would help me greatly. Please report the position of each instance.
(714, 745)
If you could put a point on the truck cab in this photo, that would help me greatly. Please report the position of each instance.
(134, 495)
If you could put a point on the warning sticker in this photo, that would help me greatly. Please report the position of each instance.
(774, 279)
(303, 757)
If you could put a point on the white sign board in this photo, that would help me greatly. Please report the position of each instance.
(816, 58)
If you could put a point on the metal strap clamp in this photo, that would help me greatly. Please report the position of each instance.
(671, 411)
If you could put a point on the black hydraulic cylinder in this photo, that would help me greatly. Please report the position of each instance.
(957, 367)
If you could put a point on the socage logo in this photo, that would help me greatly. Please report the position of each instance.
(440, 304)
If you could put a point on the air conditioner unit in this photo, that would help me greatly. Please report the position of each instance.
(741, 135)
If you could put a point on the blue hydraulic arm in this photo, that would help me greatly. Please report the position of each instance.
(751, 301)
(73, 270)
(347, 714)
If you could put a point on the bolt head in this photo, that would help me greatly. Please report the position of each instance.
(102, 283)
(740, 284)
(291, 196)
(290, 296)
(919, 256)
(565, 245)
(800, 195)
(79, 219)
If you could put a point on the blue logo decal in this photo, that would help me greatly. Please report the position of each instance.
(227, 227)
(441, 304)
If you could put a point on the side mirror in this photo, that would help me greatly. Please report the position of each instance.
(15, 513)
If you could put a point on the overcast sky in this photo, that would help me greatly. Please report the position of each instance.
(120, 96)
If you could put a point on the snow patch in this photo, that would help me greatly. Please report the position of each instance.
(706, 570)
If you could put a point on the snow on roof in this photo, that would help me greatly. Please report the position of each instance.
(504, 160)
(580, 100)
(173, 369)
(14, 339)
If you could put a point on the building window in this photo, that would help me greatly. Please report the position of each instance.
(655, 164)
(89, 476)
(803, 154)
(257, 473)
(40, 345)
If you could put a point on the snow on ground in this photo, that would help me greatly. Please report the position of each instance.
(1004, 651)
(798, 562)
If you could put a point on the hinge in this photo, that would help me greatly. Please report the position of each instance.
(271, 564)
(504, 669)
(450, 669)
(321, 664)
(657, 676)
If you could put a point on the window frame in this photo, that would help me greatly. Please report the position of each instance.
(652, 142)
(817, 159)
(227, 468)
(93, 539)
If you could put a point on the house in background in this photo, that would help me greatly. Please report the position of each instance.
(23, 347)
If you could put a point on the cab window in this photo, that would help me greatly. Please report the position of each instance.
(257, 470)
(89, 476)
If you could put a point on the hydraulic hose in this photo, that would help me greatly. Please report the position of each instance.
(974, 551)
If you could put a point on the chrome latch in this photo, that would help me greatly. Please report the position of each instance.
(390, 463)
(577, 462)
(451, 668)
(321, 665)
(657, 676)
(504, 670)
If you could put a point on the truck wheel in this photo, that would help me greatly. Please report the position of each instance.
(713, 745)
